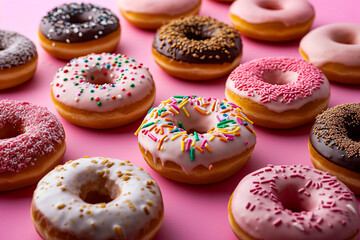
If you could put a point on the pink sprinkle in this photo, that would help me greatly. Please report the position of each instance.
(177, 109)
(248, 205)
(277, 222)
(152, 137)
(188, 145)
(203, 144)
(246, 142)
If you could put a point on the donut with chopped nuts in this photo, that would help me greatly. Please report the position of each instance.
(197, 48)
(196, 140)
(334, 143)
(18, 59)
(32, 142)
(97, 198)
(76, 29)
(151, 14)
(103, 90)
(293, 202)
(279, 92)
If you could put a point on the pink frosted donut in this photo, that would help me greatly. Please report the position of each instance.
(293, 202)
(32, 142)
(335, 49)
(277, 20)
(279, 92)
(103, 90)
(151, 14)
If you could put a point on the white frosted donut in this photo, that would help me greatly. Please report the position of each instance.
(97, 198)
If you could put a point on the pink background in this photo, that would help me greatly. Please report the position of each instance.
(191, 212)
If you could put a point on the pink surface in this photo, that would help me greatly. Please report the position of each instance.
(191, 212)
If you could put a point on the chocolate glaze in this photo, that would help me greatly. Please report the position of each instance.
(15, 49)
(335, 135)
(198, 39)
(78, 22)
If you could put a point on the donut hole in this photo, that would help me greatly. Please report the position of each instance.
(11, 130)
(347, 38)
(101, 191)
(353, 131)
(270, 5)
(79, 18)
(197, 33)
(292, 200)
(278, 77)
(99, 77)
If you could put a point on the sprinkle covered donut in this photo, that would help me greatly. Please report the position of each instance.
(197, 48)
(76, 29)
(103, 90)
(293, 202)
(278, 92)
(196, 140)
(97, 198)
(32, 142)
(151, 14)
(18, 59)
(335, 49)
(334, 143)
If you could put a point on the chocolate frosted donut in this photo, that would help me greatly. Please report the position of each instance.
(78, 22)
(15, 49)
(198, 40)
(334, 143)
(77, 29)
(336, 134)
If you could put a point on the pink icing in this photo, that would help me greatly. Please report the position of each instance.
(209, 146)
(41, 132)
(261, 80)
(333, 43)
(102, 82)
(289, 12)
(168, 7)
(326, 208)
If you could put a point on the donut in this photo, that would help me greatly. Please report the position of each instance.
(334, 143)
(196, 140)
(293, 202)
(197, 48)
(151, 14)
(76, 29)
(278, 92)
(273, 21)
(103, 90)
(18, 59)
(32, 142)
(335, 49)
(97, 198)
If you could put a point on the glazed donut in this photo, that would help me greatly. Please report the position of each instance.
(197, 48)
(334, 143)
(32, 142)
(97, 198)
(76, 29)
(274, 21)
(293, 202)
(102, 90)
(278, 92)
(151, 14)
(18, 59)
(335, 49)
(196, 140)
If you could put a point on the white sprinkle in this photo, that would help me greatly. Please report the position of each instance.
(351, 208)
(100, 32)
(76, 30)
(53, 44)
(67, 40)
(80, 34)
(96, 37)
(298, 225)
(119, 96)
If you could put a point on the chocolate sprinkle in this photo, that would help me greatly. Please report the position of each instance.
(336, 134)
(78, 22)
(198, 39)
(15, 49)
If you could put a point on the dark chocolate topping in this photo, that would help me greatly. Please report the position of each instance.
(336, 135)
(15, 49)
(78, 22)
(198, 39)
